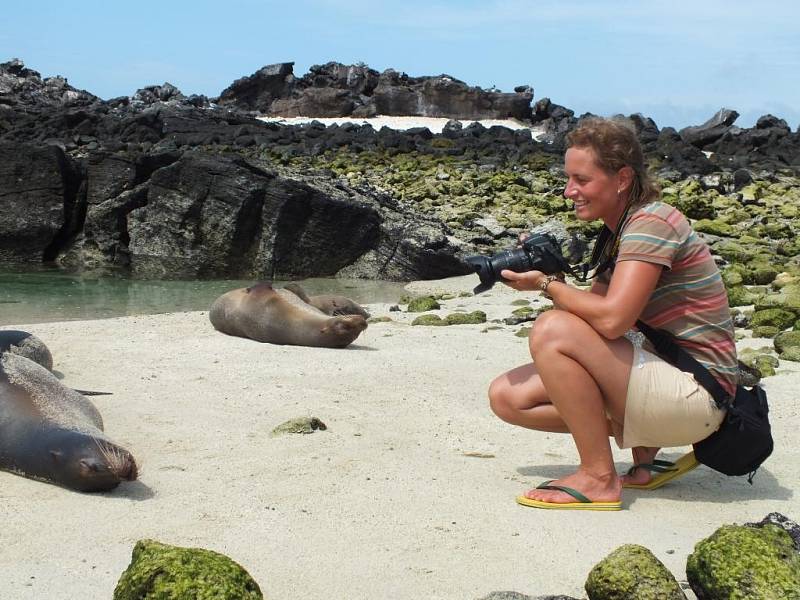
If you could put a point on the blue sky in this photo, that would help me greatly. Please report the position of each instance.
(676, 61)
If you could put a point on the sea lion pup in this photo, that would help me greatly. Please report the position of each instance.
(265, 314)
(330, 304)
(52, 433)
(27, 345)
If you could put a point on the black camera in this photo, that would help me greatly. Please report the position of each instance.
(538, 252)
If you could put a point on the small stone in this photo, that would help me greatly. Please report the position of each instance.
(302, 425)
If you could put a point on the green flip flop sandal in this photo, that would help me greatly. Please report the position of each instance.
(583, 503)
(665, 471)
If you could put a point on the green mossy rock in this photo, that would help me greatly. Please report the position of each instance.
(760, 275)
(303, 425)
(733, 251)
(744, 563)
(381, 319)
(740, 296)
(523, 332)
(520, 302)
(786, 299)
(733, 276)
(422, 304)
(523, 311)
(162, 572)
(791, 353)
(765, 331)
(632, 572)
(765, 364)
(431, 320)
(776, 317)
(786, 339)
(713, 227)
(473, 318)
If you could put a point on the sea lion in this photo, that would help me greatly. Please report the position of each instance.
(52, 433)
(330, 304)
(27, 345)
(265, 314)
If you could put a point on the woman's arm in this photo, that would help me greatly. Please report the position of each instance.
(612, 314)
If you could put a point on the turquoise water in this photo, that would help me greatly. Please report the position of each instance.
(44, 295)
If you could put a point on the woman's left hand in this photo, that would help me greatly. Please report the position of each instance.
(528, 281)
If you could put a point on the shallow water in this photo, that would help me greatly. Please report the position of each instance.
(49, 294)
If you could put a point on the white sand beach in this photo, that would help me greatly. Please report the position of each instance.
(409, 493)
(434, 124)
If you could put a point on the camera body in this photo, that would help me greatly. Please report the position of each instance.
(538, 252)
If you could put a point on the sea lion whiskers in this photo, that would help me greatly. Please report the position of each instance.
(120, 462)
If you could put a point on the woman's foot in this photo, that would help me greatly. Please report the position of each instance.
(607, 488)
(641, 456)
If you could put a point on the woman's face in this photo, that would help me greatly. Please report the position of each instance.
(595, 192)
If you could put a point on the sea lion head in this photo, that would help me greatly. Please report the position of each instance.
(87, 464)
(339, 332)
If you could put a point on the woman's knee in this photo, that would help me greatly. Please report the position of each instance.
(552, 326)
(499, 400)
(496, 391)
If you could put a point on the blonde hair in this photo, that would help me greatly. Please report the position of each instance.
(615, 146)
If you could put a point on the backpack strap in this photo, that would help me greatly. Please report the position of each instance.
(679, 358)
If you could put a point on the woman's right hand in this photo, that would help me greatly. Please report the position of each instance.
(528, 281)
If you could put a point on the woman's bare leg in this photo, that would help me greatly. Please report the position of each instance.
(641, 455)
(586, 377)
(518, 397)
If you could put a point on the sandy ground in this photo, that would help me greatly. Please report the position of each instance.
(434, 124)
(408, 494)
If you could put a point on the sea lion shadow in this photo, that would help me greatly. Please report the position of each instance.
(714, 486)
(361, 347)
(131, 490)
(58, 374)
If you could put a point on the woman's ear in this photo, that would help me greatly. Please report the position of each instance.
(625, 175)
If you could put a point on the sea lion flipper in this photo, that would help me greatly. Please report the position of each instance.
(298, 291)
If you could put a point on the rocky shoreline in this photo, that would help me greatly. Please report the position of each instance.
(164, 185)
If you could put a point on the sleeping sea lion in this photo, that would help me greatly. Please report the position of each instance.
(265, 314)
(330, 304)
(27, 345)
(52, 433)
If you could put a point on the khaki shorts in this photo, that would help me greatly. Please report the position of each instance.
(665, 406)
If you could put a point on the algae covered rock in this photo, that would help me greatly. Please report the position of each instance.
(775, 317)
(474, 318)
(430, 320)
(741, 563)
(786, 339)
(763, 364)
(632, 572)
(765, 331)
(791, 353)
(738, 295)
(163, 572)
(422, 304)
(302, 425)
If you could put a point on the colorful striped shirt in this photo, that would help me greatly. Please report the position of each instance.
(690, 300)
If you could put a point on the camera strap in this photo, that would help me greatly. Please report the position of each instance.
(605, 251)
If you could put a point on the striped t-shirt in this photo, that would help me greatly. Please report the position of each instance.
(690, 300)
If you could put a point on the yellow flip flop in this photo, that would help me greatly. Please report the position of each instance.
(583, 503)
(665, 471)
